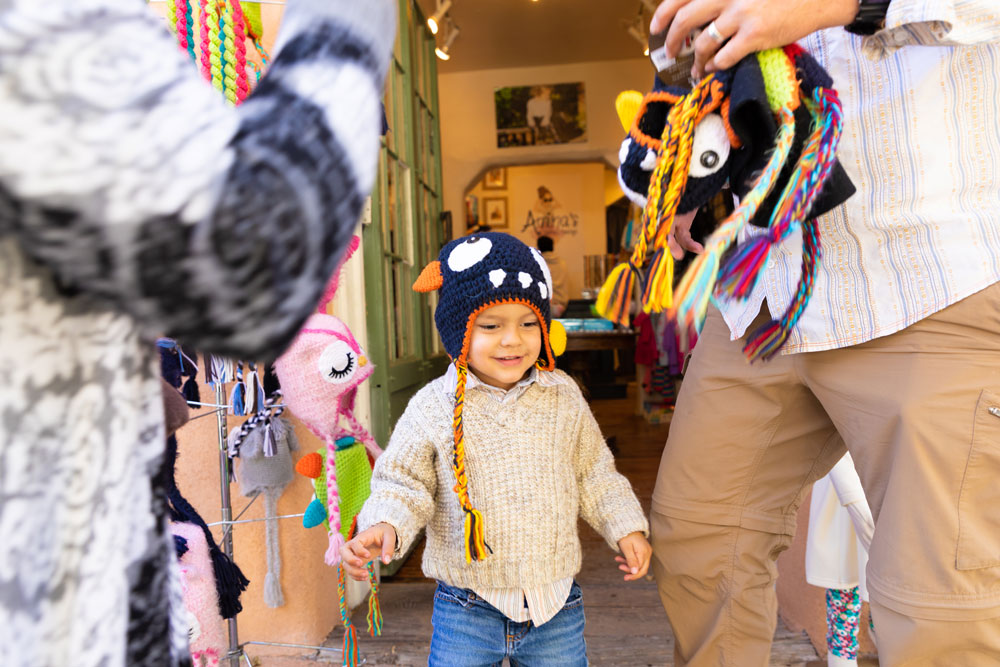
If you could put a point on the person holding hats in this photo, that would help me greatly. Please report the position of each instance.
(497, 459)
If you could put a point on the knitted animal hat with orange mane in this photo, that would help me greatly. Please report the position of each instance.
(769, 127)
(472, 274)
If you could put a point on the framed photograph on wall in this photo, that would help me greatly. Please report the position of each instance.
(554, 113)
(495, 212)
(495, 179)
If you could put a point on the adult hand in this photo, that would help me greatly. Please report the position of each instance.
(636, 552)
(745, 26)
(680, 236)
(355, 555)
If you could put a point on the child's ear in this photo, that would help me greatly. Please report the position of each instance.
(430, 278)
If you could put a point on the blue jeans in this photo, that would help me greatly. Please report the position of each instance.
(470, 632)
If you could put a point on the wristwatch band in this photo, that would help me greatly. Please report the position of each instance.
(870, 18)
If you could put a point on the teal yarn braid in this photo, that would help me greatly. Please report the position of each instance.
(767, 340)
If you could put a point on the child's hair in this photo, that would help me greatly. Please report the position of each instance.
(472, 274)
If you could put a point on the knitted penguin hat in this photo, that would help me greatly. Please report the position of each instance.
(472, 274)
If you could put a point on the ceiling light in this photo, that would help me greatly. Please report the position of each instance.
(443, 52)
(434, 21)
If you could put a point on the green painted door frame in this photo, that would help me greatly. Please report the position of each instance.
(405, 231)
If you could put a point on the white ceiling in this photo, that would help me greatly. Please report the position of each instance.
(523, 33)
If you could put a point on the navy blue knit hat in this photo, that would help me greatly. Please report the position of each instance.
(472, 274)
(476, 272)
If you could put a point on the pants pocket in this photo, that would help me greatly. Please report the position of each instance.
(979, 498)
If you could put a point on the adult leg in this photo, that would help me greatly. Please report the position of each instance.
(745, 443)
(920, 412)
(468, 631)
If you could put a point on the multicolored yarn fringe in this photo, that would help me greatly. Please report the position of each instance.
(814, 167)
(214, 33)
(350, 651)
(474, 540)
(735, 276)
(665, 189)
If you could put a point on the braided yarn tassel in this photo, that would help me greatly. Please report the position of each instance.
(475, 542)
(350, 634)
(695, 289)
(764, 342)
(374, 606)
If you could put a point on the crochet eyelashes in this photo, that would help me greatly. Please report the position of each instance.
(472, 274)
(770, 127)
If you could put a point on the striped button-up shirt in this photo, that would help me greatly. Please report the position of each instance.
(537, 604)
(921, 142)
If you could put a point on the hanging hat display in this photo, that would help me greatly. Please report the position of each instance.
(265, 468)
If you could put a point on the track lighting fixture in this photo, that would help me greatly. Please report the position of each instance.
(434, 21)
(444, 52)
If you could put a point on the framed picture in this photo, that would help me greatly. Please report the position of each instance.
(495, 212)
(495, 179)
(554, 113)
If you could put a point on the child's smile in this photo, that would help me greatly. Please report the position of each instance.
(505, 343)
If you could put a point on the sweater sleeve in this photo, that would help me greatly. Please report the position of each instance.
(404, 481)
(935, 23)
(607, 501)
(131, 179)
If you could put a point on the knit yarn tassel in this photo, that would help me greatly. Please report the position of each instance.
(743, 269)
(695, 289)
(765, 342)
(657, 292)
(616, 294)
(350, 635)
(475, 542)
(332, 557)
(374, 606)
(273, 595)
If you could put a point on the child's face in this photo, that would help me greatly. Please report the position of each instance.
(506, 340)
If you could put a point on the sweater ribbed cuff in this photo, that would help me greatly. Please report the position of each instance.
(619, 525)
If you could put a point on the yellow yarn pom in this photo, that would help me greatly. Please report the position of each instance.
(627, 104)
(557, 338)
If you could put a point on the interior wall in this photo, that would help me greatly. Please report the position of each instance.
(574, 219)
(468, 124)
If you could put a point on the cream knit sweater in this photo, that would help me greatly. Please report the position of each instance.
(533, 468)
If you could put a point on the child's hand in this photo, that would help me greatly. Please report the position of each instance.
(355, 555)
(635, 559)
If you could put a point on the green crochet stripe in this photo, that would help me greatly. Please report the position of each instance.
(779, 78)
(354, 479)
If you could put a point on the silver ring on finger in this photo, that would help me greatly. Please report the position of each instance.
(713, 32)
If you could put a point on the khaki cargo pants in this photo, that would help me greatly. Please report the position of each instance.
(920, 413)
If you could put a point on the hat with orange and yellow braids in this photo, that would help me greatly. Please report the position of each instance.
(472, 274)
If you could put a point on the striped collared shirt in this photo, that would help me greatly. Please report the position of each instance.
(921, 142)
(537, 604)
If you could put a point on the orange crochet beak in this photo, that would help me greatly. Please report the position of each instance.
(430, 278)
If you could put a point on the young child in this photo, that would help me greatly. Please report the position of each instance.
(497, 458)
